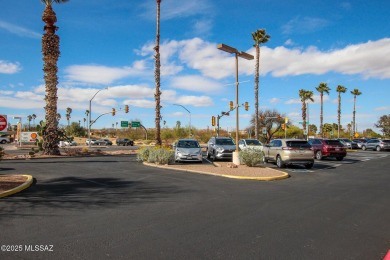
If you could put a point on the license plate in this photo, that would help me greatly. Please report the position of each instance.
(337, 149)
(189, 157)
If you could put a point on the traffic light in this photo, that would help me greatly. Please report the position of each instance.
(283, 126)
(246, 105)
(231, 105)
(213, 120)
(126, 109)
(113, 111)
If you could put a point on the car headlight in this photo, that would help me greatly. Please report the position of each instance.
(219, 149)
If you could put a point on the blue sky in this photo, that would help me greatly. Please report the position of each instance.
(110, 44)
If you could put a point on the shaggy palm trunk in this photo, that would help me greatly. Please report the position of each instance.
(322, 116)
(353, 119)
(157, 65)
(51, 52)
(338, 115)
(303, 115)
(257, 69)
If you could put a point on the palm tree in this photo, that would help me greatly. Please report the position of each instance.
(323, 87)
(157, 66)
(340, 89)
(68, 112)
(259, 37)
(50, 52)
(29, 118)
(355, 93)
(305, 95)
(33, 118)
(58, 117)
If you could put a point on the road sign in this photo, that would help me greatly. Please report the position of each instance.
(135, 124)
(356, 135)
(3, 123)
(307, 122)
(286, 120)
(124, 123)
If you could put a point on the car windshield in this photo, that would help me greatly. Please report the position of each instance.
(346, 140)
(188, 144)
(333, 142)
(298, 144)
(386, 141)
(253, 142)
(225, 142)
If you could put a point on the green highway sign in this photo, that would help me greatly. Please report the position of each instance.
(135, 124)
(124, 123)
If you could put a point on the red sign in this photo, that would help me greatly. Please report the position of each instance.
(3, 122)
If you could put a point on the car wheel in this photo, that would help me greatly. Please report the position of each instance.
(279, 162)
(319, 155)
(214, 156)
(3, 141)
(364, 147)
(309, 166)
(339, 158)
(208, 154)
(378, 148)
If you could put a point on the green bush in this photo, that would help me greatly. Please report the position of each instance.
(156, 155)
(251, 157)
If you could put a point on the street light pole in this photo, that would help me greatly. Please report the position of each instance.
(90, 116)
(247, 56)
(189, 113)
(20, 133)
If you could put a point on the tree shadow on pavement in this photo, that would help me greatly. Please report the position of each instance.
(75, 193)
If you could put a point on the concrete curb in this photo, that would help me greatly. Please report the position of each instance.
(25, 185)
(283, 175)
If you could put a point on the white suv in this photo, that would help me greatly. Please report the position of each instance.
(4, 140)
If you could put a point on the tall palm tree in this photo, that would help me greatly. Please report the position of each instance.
(305, 95)
(157, 66)
(50, 52)
(340, 89)
(68, 112)
(29, 118)
(260, 36)
(355, 93)
(33, 118)
(323, 87)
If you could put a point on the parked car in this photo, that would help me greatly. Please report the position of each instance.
(377, 144)
(67, 143)
(250, 143)
(328, 148)
(92, 141)
(360, 142)
(124, 142)
(220, 148)
(188, 150)
(4, 140)
(105, 142)
(289, 152)
(348, 143)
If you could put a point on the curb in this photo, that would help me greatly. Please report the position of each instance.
(283, 175)
(25, 185)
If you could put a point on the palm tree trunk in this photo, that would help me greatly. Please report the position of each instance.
(257, 68)
(157, 66)
(322, 116)
(51, 52)
(338, 115)
(354, 113)
(303, 116)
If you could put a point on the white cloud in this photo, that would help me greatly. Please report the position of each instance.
(196, 101)
(274, 100)
(382, 108)
(196, 84)
(171, 9)
(20, 31)
(301, 25)
(9, 67)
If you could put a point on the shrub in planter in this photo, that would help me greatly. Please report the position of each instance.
(143, 153)
(156, 155)
(251, 157)
(1, 152)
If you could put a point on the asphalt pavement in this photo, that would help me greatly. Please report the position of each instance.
(114, 207)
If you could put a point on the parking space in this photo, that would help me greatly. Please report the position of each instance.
(331, 163)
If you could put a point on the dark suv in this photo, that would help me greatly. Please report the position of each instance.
(328, 148)
(220, 148)
(124, 142)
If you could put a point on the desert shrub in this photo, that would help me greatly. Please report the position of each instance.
(84, 150)
(251, 157)
(156, 155)
(143, 153)
(72, 151)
